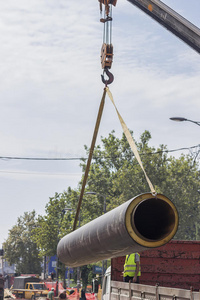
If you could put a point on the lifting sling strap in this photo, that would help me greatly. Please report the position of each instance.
(131, 141)
(90, 157)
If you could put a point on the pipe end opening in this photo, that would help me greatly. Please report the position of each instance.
(154, 219)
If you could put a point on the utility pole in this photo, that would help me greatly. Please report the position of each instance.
(1, 254)
(78, 268)
(68, 277)
(57, 260)
(45, 266)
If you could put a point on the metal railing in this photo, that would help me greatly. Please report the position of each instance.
(132, 291)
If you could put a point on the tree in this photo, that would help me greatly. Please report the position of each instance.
(116, 173)
(57, 222)
(20, 249)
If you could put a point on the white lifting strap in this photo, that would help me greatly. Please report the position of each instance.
(131, 142)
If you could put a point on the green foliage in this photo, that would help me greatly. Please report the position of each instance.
(116, 174)
(20, 249)
(57, 222)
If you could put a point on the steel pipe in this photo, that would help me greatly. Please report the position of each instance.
(144, 222)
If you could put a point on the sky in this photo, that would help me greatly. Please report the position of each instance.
(50, 91)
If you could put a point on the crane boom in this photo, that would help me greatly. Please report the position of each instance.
(171, 20)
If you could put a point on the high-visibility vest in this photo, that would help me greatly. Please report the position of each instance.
(130, 266)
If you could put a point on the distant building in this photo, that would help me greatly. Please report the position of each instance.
(7, 269)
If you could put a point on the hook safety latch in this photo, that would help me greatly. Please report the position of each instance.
(110, 77)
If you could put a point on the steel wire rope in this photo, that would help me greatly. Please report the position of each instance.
(111, 25)
(104, 28)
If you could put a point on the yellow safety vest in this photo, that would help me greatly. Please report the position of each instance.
(130, 266)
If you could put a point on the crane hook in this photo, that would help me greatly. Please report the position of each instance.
(110, 77)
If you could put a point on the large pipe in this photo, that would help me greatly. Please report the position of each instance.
(143, 222)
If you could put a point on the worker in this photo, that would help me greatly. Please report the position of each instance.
(52, 275)
(132, 269)
(50, 295)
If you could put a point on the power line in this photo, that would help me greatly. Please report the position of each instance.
(80, 158)
(38, 158)
(40, 173)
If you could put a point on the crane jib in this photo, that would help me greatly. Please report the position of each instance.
(171, 20)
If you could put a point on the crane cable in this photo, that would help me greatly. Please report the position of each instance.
(107, 47)
(129, 139)
(106, 61)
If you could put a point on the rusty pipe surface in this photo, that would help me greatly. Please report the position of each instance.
(144, 222)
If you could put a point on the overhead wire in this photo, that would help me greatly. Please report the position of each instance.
(39, 173)
(94, 157)
(195, 156)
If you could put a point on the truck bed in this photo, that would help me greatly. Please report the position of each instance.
(20, 282)
(128, 291)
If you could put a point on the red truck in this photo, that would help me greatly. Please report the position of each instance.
(176, 264)
(168, 272)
